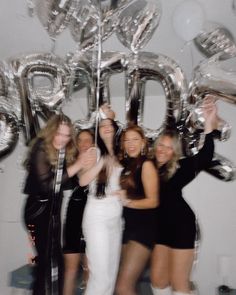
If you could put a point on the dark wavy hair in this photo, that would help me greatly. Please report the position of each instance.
(103, 175)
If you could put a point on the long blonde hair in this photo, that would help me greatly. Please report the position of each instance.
(47, 134)
(173, 164)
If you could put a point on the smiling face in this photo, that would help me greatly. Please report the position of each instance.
(62, 136)
(164, 150)
(85, 141)
(106, 130)
(133, 143)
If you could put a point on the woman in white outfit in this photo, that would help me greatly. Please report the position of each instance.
(102, 222)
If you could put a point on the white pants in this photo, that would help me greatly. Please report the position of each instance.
(102, 229)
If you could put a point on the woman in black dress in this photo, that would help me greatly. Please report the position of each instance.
(53, 144)
(74, 244)
(173, 254)
(139, 183)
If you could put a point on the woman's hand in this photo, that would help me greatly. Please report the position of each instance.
(89, 158)
(107, 112)
(210, 114)
(122, 195)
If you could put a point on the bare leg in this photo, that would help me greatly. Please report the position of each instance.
(84, 264)
(181, 261)
(133, 261)
(71, 268)
(160, 266)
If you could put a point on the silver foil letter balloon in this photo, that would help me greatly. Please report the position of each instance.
(9, 123)
(149, 66)
(42, 81)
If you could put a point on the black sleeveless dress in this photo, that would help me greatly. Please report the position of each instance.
(72, 234)
(139, 224)
(176, 222)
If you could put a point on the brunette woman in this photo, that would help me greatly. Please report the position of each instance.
(139, 183)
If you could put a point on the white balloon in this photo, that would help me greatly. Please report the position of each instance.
(188, 19)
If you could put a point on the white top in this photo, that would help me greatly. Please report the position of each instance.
(113, 183)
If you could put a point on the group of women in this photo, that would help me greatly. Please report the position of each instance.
(127, 206)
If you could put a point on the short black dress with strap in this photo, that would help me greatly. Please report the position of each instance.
(139, 223)
(176, 221)
(73, 238)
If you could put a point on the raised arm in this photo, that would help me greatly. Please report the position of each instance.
(210, 114)
(191, 166)
(91, 167)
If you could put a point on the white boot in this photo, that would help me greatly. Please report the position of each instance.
(181, 293)
(158, 291)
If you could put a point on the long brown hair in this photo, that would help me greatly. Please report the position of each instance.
(103, 174)
(47, 134)
(127, 179)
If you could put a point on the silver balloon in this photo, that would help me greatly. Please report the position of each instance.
(85, 68)
(42, 83)
(82, 77)
(107, 8)
(9, 131)
(215, 38)
(55, 14)
(111, 63)
(4, 83)
(217, 77)
(160, 68)
(138, 23)
(9, 98)
(84, 26)
(222, 168)
(195, 121)
(214, 77)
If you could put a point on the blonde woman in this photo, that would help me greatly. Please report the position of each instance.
(173, 254)
(40, 205)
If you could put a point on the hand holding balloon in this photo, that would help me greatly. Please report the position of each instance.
(106, 112)
(88, 159)
(209, 110)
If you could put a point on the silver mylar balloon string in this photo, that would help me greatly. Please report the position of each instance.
(99, 54)
(53, 48)
(188, 44)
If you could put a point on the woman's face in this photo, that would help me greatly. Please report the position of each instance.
(62, 136)
(133, 143)
(164, 150)
(106, 129)
(84, 142)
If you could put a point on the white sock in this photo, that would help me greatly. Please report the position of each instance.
(181, 293)
(158, 291)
